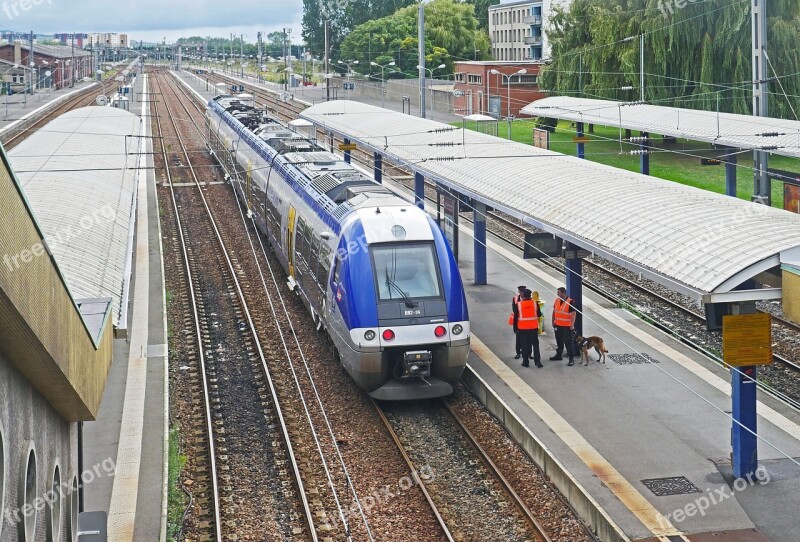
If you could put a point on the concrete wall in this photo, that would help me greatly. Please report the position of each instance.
(27, 417)
(397, 88)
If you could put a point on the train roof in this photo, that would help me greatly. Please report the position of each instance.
(335, 186)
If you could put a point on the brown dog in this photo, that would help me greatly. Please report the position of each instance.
(584, 344)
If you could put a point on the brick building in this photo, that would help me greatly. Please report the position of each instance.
(478, 90)
(63, 63)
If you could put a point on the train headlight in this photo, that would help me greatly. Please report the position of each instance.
(369, 335)
(457, 329)
(388, 334)
(440, 331)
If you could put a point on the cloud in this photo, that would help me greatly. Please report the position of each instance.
(158, 16)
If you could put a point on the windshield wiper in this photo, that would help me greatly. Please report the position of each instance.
(391, 284)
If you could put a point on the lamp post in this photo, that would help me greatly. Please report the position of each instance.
(349, 64)
(383, 83)
(523, 71)
(430, 71)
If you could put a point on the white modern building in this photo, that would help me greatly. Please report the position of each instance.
(108, 39)
(517, 30)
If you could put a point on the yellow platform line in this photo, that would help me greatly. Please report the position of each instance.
(651, 518)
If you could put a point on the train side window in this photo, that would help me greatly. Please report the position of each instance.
(324, 265)
(313, 256)
(300, 236)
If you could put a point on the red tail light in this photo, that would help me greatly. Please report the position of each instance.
(440, 331)
(388, 334)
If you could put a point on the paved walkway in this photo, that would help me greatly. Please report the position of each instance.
(131, 425)
(17, 106)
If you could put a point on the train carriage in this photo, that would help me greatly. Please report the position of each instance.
(373, 270)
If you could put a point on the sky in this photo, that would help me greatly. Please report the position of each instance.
(153, 20)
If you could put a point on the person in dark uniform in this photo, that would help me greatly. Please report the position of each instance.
(526, 321)
(564, 323)
(516, 299)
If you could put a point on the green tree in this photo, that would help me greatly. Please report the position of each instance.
(343, 16)
(451, 34)
(697, 56)
(482, 11)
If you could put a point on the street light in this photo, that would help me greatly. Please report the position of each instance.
(430, 70)
(523, 71)
(383, 83)
(349, 64)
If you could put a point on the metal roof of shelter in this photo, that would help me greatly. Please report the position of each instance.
(54, 51)
(79, 174)
(695, 242)
(777, 136)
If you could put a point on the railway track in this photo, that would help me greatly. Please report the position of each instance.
(419, 431)
(81, 99)
(245, 465)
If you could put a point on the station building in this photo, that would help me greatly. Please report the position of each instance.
(64, 64)
(65, 251)
(478, 90)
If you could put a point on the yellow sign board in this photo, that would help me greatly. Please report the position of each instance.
(747, 339)
(347, 146)
(581, 139)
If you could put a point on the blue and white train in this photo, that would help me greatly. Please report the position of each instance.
(373, 270)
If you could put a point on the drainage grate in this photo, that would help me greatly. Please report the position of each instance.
(677, 485)
(632, 359)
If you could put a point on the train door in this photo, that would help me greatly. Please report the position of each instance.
(290, 240)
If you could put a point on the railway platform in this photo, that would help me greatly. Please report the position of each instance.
(645, 435)
(131, 427)
(17, 107)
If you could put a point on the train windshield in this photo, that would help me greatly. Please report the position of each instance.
(407, 271)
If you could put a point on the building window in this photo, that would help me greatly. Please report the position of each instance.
(54, 522)
(473, 79)
(27, 494)
(458, 77)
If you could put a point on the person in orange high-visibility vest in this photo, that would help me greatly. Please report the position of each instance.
(526, 321)
(518, 341)
(564, 315)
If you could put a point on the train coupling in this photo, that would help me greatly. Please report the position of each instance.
(417, 364)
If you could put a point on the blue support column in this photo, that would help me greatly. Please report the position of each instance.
(574, 279)
(730, 173)
(347, 153)
(419, 190)
(744, 443)
(644, 159)
(579, 134)
(378, 167)
(479, 220)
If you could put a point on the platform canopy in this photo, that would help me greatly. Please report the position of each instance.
(79, 174)
(693, 241)
(777, 136)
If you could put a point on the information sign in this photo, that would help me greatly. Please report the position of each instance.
(747, 339)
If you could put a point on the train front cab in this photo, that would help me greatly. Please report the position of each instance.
(404, 306)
